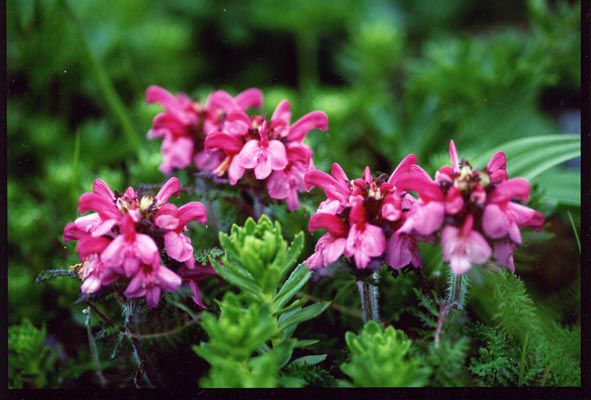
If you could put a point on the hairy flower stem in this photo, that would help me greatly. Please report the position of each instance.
(368, 293)
(143, 366)
(456, 293)
(93, 349)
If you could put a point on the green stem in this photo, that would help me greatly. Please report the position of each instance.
(93, 349)
(455, 297)
(368, 293)
(114, 102)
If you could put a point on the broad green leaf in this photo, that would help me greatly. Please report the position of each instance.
(529, 157)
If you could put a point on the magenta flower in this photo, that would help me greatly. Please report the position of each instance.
(150, 281)
(368, 212)
(273, 149)
(184, 124)
(264, 155)
(475, 211)
(125, 236)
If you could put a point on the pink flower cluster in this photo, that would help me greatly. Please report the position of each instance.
(124, 236)
(475, 213)
(221, 138)
(363, 217)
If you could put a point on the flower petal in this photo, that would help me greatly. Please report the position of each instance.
(329, 222)
(282, 112)
(166, 279)
(224, 141)
(249, 98)
(314, 120)
(495, 222)
(178, 246)
(248, 156)
(277, 155)
(101, 188)
(192, 211)
(171, 187)
(509, 189)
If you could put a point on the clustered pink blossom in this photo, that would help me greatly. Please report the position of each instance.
(363, 217)
(475, 213)
(125, 235)
(221, 138)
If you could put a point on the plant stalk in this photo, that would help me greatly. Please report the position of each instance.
(456, 293)
(93, 349)
(368, 293)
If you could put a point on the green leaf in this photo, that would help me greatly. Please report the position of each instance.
(529, 157)
(295, 282)
(309, 360)
(294, 251)
(243, 283)
(305, 314)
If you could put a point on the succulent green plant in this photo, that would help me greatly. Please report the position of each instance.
(380, 358)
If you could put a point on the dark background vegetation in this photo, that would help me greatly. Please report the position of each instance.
(393, 76)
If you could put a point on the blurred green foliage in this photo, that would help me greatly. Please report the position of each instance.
(393, 76)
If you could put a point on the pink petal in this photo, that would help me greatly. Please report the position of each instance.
(277, 155)
(423, 185)
(477, 248)
(401, 250)
(112, 256)
(89, 245)
(221, 100)
(178, 246)
(334, 249)
(262, 170)
(282, 112)
(91, 284)
(145, 248)
(87, 222)
(171, 187)
(192, 211)
(104, 228)
(156, 94)
(249, 98)
(495, 222)
(136, 287)
(153, 296)
(248, 156)
(176, 153)
(525, 216)
(94, 202)
(167, 280)
(424, 218)
(166, 221)
(235, 171)
(101, 188)
(196, 294)
(497, 166)
(223, 141)
(313, 120)
(331, 187)
(72, 232)
(329, 222)
(278, 185)
(509, 189)
(454, 201)
(338, 173)
(503, 253)
(453, 155)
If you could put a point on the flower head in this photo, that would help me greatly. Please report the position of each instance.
(362, 217)
(476, 210)
(184, 125)
(126, 235)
